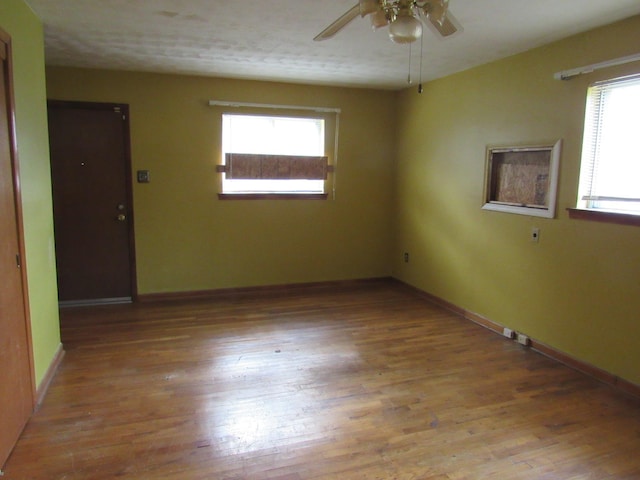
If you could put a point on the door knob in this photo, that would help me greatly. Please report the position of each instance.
(121, 218)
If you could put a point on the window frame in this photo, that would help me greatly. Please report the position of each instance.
(547, 155)
(582, 211)
(331, 122)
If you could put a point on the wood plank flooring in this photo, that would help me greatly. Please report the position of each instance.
(362, 382)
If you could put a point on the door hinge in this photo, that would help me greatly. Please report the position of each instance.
(18, 260)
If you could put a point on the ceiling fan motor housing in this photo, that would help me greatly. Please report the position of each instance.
(404, 18)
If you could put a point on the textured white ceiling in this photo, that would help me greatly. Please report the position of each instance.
(273, 39)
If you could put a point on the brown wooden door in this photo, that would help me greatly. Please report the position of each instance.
(16, 383)
(92, 202)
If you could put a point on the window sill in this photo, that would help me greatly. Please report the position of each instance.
(604, 216)
(272, 196)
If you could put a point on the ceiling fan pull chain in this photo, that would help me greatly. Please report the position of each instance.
(420, 74)
(409, 75)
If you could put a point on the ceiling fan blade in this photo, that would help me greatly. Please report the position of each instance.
(339, 24)
(440, 19)
(446, 26)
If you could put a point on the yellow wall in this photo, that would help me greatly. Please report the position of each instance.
(187, 239)
(578, 289)
(33, 151)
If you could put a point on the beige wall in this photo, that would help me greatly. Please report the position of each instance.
(33, 157)
(578, 289)
(187, 239)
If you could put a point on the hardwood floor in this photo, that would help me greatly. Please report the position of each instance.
(366, 382)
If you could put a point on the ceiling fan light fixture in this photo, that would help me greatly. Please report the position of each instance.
(405, 29)
(367, 7)
(404, 18)
(379, 19)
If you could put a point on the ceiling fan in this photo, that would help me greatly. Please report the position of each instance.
(402, 16)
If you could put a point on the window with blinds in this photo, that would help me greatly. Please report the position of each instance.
(266, 155)
(610, 168)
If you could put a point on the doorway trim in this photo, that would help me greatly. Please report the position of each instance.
(5, 38)
(124, 109)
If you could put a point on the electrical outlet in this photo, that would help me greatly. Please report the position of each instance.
(507, 332)
(535, 234)
(406, 257)
(523, 340)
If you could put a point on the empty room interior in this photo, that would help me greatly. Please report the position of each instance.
(263, 240)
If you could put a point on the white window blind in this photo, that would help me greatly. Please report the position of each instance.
(610, 168)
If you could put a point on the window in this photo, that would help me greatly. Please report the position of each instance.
(273, 155)
(610, 169)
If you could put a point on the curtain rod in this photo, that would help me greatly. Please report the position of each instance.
(220, 103)
(574, 72)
